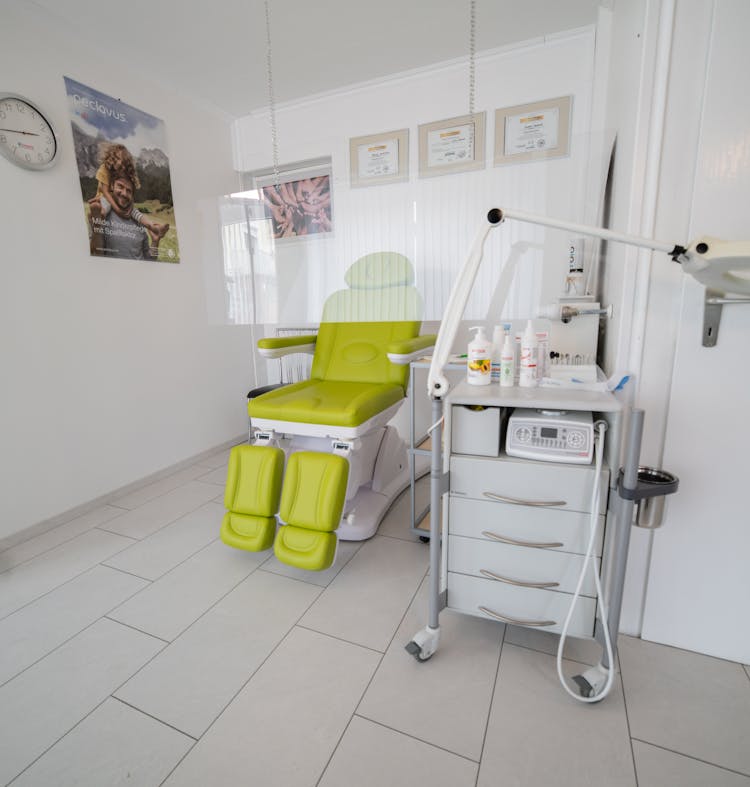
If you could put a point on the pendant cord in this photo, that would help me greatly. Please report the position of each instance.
(472, 54)
(271, 98)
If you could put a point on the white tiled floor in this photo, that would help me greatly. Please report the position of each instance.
(136, 648)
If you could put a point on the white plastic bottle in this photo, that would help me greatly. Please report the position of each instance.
(479, 359)
(507, 363)
(529, 353)
(498, 336)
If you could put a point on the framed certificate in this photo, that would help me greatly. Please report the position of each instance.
(453, 145)
(378, 159)
(528, 132)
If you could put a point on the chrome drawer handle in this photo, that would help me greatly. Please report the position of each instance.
(519, 583)
(518, 543)
(517, 621)
(518, 501)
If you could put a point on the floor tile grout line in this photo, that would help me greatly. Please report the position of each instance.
(162, 494)
(166, 642)
(62, 543)
(202, 614)
(667, 646)
(52, 745)
(372, 677)
(128, 573)
(374, 672)
(65, 582)
(627, 715)
(492, 700)
(692, 757)
(338, 742)
(250, 677)
(158, 529)
(74, 635)
(545, 653)
(339, 639)
(417, 738)
(111, 504)
(151, 716)
(98, 705)
(172, 568)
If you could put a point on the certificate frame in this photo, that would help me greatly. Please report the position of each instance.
(361, 176)
(436, 161)
(518, 140)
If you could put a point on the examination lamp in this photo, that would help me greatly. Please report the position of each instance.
(722, 267)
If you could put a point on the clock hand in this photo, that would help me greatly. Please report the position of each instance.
(15, 131)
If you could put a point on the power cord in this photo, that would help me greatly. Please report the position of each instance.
(601, 428)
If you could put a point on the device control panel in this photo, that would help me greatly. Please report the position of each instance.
(551, 435)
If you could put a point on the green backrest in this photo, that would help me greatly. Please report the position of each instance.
(380, 306)
(357, 351)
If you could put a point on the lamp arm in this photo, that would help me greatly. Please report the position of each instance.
(437, 383)
(674, 250)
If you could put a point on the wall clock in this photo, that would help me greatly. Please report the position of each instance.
(26, 136)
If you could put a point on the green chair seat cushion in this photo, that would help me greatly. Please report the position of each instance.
(307, 549)
(326, 402)
(252, 533)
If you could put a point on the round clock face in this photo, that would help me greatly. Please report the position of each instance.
(26, 137)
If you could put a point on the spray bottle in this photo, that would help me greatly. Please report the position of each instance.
(479, 359)
(529, 352)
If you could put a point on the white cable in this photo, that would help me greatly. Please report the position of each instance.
(436, 424)
(594, 524)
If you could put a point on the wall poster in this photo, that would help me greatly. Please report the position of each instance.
(123, 168)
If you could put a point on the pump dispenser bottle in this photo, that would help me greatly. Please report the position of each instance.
(507, 363)
(529, 353)
(479, 359)
(498, 336)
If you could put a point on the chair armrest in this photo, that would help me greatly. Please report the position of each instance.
(279, 346)
(411, 349)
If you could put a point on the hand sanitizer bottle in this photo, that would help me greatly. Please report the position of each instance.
(479, 359)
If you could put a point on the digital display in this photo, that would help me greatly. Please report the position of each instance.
(547, 431)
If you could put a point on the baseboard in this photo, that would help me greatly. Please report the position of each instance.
(60, 519)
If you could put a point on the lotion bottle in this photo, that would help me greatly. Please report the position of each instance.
(479, 359)
(507, 363)
(497, 346)
(529, 353)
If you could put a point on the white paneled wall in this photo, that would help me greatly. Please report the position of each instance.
(434, 220)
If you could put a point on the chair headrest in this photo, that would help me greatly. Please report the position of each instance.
(379, 270)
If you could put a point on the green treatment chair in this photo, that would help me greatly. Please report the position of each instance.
(368, 334)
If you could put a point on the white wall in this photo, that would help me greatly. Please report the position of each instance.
(686, 583)
(698, 591)
(433, 220)
(110, 370)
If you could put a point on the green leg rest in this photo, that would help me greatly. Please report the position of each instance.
(312, 501)
(252, 497)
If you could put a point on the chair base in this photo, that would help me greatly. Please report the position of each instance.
(363, 515)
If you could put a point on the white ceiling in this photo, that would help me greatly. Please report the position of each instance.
(216, 51)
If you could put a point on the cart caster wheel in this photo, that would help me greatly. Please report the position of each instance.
(416, 651)
(424, 539)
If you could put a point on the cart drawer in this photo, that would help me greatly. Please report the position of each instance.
(542, 609)
(531, 483)
(537, 526)
(512, 564)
